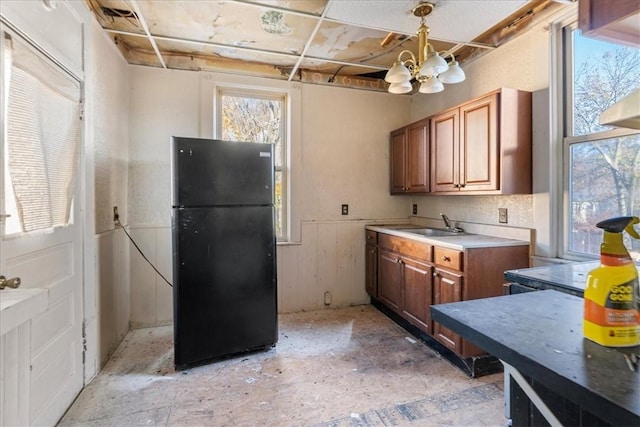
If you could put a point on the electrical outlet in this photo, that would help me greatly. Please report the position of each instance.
(503, 216)
(415, 209)
(345, 209)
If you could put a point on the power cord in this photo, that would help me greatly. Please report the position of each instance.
(119, 225)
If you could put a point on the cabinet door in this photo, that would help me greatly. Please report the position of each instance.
(445, 152)
(371, 270)
(479, 155)
(418, 157)
(398, 161)
(416, 295)
(389, 279)
(447, 288)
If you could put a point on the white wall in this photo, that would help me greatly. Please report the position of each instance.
(107, 309)
(345, 160)
(341, 157)
(523, 63)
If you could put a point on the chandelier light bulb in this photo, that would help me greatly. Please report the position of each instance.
(398, 73)
(433, 65)
(431, 85)
(399, 88)
(454, 74)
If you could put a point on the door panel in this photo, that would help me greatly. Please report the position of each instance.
(210, 172)
(479, 140)
(448, 288)
(445, 151)
(51, 344)
(418, 157)
(416, 297)
(398, 153)
(224, 282)
(389, 279)
(371, 270)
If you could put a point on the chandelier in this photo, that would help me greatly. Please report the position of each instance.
(430, 69)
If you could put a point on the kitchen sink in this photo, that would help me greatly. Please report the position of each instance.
(433, 232)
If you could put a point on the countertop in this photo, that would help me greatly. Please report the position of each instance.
(570, 277)
(457, 242)
(19, 305)
(540, 335)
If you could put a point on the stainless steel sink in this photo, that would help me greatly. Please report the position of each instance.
(433, 232)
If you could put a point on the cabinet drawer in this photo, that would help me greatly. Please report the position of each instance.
(406, 247)
(448, 258)
(372, 237)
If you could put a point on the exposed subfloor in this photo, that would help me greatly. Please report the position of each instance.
(338, 367)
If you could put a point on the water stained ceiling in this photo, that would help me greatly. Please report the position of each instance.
(345, 42)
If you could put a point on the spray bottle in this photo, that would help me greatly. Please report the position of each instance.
(611, 297)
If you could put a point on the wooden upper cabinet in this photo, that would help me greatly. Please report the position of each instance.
(614, 21)
(409, 158)
(479, 164)
(445, 151)
(483, 146)
(418, 157)
(397, 155)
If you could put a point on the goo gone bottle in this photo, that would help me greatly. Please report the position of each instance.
(611, 297)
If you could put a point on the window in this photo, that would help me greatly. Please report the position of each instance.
(41, 140)
(601, 163)
(260, 117)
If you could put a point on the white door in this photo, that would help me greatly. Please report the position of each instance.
(48, 257)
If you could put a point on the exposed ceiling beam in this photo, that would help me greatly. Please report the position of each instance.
(309, 40)
(245, 48)
(143, 22)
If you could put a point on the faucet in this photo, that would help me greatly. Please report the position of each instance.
(447, 223)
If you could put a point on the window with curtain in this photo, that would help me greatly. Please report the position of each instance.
(260, 117)
(41, 139)
(601, 163)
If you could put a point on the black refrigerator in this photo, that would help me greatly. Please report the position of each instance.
(224, 249)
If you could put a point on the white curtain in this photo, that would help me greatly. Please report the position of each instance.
(43, 137)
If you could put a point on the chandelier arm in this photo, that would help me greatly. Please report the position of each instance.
(412, 60)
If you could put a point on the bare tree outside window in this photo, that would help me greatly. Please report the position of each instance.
(259, 119)
(604, 170)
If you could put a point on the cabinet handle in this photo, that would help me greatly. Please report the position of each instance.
(373, 251)
(435, 274)
(446, 258)
(462, 185)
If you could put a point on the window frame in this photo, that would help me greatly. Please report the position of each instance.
(261, 92)
(566, 139)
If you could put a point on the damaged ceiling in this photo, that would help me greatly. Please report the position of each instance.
(341, 42)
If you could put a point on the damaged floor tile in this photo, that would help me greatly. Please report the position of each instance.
(339, 367)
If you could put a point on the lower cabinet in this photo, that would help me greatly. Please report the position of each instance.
(371, 272)
(404, 279)
(416, 293)
(389, 279)
(408, 276)
(447, 287)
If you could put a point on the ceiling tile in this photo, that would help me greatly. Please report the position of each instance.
(459, 20)
(230, 23)
(309, 6)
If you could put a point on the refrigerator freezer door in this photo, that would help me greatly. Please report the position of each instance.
(224, 282)
(220, 173)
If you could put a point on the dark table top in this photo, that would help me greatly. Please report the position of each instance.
(540, 334)
(571, 277)
(561, 277)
